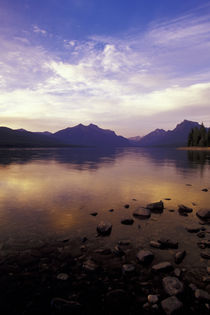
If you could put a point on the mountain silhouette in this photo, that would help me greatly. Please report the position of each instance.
(171, 138)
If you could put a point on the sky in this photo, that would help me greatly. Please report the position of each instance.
(127, 65)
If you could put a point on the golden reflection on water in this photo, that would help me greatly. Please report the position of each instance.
(57, 192)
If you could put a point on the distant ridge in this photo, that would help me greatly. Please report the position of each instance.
(171, 138)
(90, 135)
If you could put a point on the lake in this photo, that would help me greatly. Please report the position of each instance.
(48, 194)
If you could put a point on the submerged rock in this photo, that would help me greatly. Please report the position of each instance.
(163, 266)
(172, 285)
(127, 221)
(193, 229)
(142, 213)
(156, 206)
(205, 255)
(184, 209)
(145, 256)
(179, 256)
(171, 305)
(167, 243)
(204, 214)
(104, 228)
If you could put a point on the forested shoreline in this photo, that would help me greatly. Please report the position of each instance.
(199, 137)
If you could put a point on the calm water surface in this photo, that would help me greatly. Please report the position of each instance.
(48, 194)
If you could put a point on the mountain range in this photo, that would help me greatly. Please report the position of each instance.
(94, 136)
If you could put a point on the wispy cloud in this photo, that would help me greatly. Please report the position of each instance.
(109, 79)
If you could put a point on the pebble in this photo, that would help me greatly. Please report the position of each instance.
(142, 213)
(104, 228)
(156, 206)
(152, 299)
(62, 276)
(179, 256)
(127, 221)
(163, 266)
(90, 265)
(202, 295)
(128, 268)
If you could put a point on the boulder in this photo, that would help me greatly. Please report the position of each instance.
(171, 305)
(172, 285)
(104, 228)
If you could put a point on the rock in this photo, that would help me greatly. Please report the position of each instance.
(205, 189)
(171, 305)
(177, 272)
(127, 221)
(167, 243)
(111, 210)
(103, 251)
(208, 270)
(201, 234)
(205, 255)
(94, 214)
(163, 266)
(167, 199)
(188, 185)
(128, 268)
(62, 276)
(202, 295)
(142, 213)
(90, 265)
(193, 287)
(156, 206)
(184, 209)
(206, 279)
(104, 228)
(84, 239)
(204, 214)
(126, 206)
(193, 229)
(152, 299)
(155, 244)
(124, 242)
(172, 285)
(145, 256)
(118, 251)
(171, 210)
(62, 306)
(179, 256)
(204, 244)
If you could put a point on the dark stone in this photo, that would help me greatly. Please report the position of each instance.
(184, 209)
(128, 269)
(202, 295)
(171, 305)
(167, 243)
(126, 206)
(193, 229)
(205, 255)
(205, 189)
(127, 221)
(155, 244)
(142, 213)
(118, 251)
(104, 228)
(156, 206)
(201, 234)
(111, 210)
(179, 256)
(172, 285)
(145, 256)
(163, 266)
(94, 214)
(204, 214)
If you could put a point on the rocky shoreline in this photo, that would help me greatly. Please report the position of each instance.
(53, 278)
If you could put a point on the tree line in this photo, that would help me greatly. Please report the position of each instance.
(199, 137)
